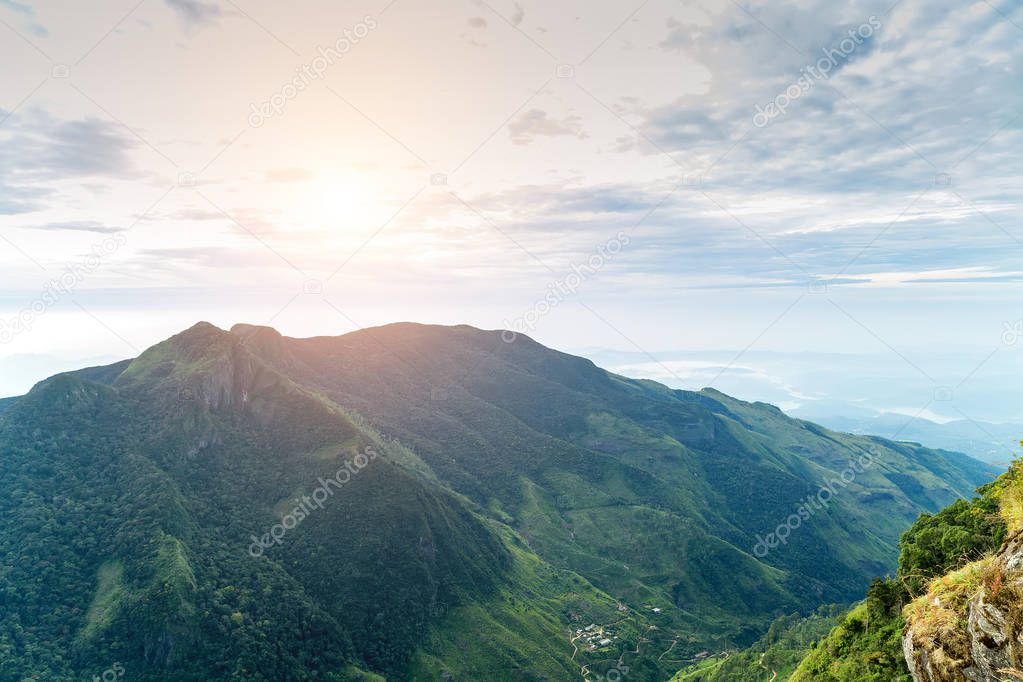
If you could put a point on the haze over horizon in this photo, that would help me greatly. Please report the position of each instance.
(847, 392)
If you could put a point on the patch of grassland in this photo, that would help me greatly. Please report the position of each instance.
(109, 596)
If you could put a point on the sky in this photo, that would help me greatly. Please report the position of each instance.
(836, 184)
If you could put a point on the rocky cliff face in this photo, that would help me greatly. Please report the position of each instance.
(969, 626)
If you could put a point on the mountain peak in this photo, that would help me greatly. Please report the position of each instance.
(204, 360)
(267, 342)
(245, 330)
(202, 328)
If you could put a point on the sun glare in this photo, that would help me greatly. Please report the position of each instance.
(341, 202)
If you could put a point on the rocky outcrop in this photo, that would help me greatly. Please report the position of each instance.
(969, 626)
(206, 367)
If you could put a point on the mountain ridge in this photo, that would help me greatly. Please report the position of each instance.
(528, 466)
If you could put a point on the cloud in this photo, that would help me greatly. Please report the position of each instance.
(28, 13)
(77, 226)
(195, 12)
(561, 200)
(37, 148)
(477, 26)
(881, 120)
(238, 220)
(191, 214)
(170, 259)
(681, 239)
(536, 123)
(88, 146)
(19, 199)
(681, 127)
(252, 221)
(286, 175)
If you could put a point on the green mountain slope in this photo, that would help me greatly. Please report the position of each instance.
(6, 403)
(491, 501)
(944, 558)
(774, 656)
(129, 514)
(657, 496)
(937, 562)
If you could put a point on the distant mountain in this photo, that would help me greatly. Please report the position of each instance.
(422, 502)
(985, 441)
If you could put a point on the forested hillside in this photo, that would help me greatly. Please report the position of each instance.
(419, 503)
(934, 567)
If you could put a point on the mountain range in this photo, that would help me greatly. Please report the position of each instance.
(986, 441)
(423, 502)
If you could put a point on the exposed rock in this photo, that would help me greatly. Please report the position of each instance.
(969, 627)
